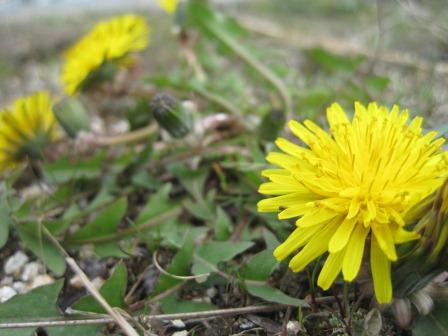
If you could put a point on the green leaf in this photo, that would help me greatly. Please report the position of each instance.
(259, 267)
(170, 305)
(67, 168)
(144, 179)
(110, 249)
(435, 323)
(33, 239)
(158, 203)
(103, 197)
(5, 217)
(180, 265)
(270, 239)
(202, 17)
(377, 83)
(268, 293)
(223, 225)
(333, 62)
(113, 291)
(104, 224)
(39, 304)
(209, 255)
(192, 180)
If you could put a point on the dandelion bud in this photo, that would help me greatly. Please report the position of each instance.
(428, 257)
(72, 116)
(171, 115)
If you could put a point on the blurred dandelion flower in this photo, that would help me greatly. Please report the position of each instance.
(168, 5)
(105, 48)
(350, 186)
(25, 128)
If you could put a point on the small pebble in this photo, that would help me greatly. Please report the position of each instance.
(6, 293)
(36, 190)
(178, 324)
(31, 271)
(19, 287)
(211, 292)
(41, 280)
(7, 281)
(293, 328)
(247, 325)
(76, 282)
(15, 262)
(86, 251)
(180, 333)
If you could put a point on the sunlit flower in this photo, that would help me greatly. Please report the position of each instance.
(25, 128)
(101, 51)
(168, 5)
(352, 185)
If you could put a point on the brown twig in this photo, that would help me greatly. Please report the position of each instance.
(239, 228)
(218, 313)
(174, 276)
(114, 315)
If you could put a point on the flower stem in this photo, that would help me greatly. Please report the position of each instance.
(217, 100)
(347, 305)
(129, 137)
(245, 55)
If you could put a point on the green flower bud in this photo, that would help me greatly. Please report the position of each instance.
(171, 115)
(72, 116)
(426, 258)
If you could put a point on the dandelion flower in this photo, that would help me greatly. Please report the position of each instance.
(351, 186)
(168, 5)
(102, 50)
(25, 128)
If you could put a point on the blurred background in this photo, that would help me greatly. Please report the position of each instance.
(398, 49)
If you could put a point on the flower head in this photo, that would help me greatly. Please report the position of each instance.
(168, 5)
(25, 128)
(350, 186)
(104, 48)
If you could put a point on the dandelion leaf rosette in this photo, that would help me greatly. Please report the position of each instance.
(352, 185)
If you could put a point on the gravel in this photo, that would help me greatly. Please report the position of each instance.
(15, 262)
(6, 293)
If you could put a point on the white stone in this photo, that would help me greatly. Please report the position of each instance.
(6, 293)
(19, 287)
(41, 280)
(178, 324)
(86, 251)
(76, 282)
(211, 292)
(180, 333)
(15, 262)
(31, 271)
(7, 281)
(293, 328)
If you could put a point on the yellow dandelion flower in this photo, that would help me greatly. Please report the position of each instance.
(350, 186)
(105, 47)
(25, 128)
(168, 5)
